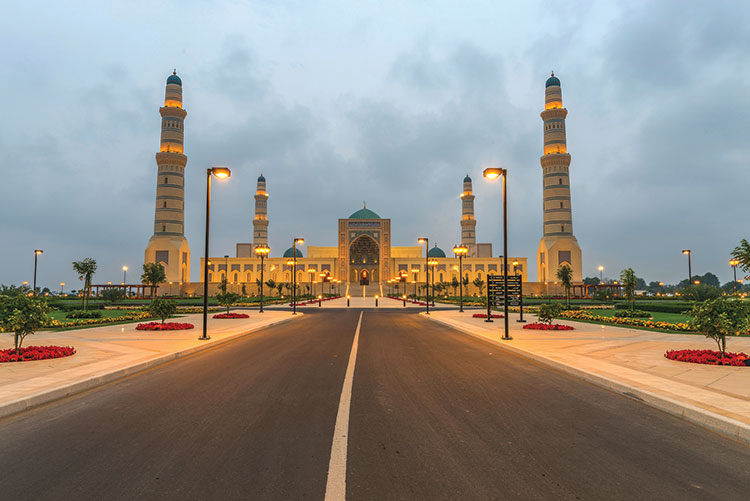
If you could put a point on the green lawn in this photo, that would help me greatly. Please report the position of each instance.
(60, 315)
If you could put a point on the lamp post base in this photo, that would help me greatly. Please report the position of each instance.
(204, 338)
(509, 338)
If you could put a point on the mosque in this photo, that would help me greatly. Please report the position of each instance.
(364, 255)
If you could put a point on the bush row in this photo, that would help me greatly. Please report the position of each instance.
(672, 307)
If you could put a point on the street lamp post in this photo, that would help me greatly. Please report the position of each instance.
(601, 274)
(220, 173)
(62, 285)
(415, 271)
(261, 251)
(426, 242)
(690, 269)
(733, 263)
(300, 241)
(460, 251)
(494, 173)
(36, 255)
(124, 275)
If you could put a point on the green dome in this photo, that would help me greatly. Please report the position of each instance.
(290, 252)
(436, 252)
(553, 80)
(467, 179)
(174, 79)
(261, 178)
(364, 213)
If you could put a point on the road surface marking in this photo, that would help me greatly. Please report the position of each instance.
(336, 483)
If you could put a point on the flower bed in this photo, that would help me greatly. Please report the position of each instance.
(36, 353)
(82, 322)
(710, 357)
(231, 315)
(167, 326)
(484, 315)
(638, 322)
(539, 326)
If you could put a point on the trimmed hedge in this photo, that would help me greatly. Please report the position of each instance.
(83, 314)
(658, 307)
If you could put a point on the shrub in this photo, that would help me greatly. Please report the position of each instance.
(162, 308)
(83, 314)
(632, 314)
(22, 315)
(719, 318)
(548, 312)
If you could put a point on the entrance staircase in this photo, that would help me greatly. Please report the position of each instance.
(372, 290)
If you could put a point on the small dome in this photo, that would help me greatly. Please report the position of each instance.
(467, 179)
(290, 252)
(174, 79)
(261, 178)
(364, 213)
(553, 80)
(436, 252)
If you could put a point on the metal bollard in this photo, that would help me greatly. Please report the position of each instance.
(320, 301)
(376, 301)
(347, 300)
(404, 296)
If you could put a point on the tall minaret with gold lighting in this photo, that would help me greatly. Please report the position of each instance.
(558, 245)
(260, 221)
(168, 245)
(468, 223)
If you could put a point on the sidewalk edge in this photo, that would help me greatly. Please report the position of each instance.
(35, 400)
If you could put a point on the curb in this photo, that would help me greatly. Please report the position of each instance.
(715, 422)
(35, 400)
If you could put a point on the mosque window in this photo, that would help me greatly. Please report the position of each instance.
(164, 227)
(560, 181)
(166, 180)
(165, 204)
(562, 227)
(561, 205)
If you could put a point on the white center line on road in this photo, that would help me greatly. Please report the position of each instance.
(336, 483)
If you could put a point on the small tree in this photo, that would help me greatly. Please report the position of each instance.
(549, 312)
(479, 284)
(565, 275)
(279, 287)
(702, 292)
(719, 318)
(629, 280)
(23, 315)
(227, 299)
(244, 290)
(153, 275)
(271, 284)
(85, 270)
(162, 308)
(257, 284)
(455, 283)
(223, 285)
(113, 295)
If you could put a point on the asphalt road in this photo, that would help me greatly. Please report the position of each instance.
(434, 415)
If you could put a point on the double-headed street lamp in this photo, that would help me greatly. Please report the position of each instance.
(432, 263)
(494, 173)
(37, 252)
(460, 251)
(220, 173)
(733, 263)
(426, 242)
(690, 269)
(261, 250)
(300, 241)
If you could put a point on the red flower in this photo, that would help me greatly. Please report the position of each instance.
(36, 353)
(538, 326)
(484, 315)
(231, 315)
(709, 357)
(167, 326)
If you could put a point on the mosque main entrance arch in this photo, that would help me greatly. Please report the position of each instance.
(364, 260)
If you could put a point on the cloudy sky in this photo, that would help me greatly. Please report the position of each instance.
(388, 102)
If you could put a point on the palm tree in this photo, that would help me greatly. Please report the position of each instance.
(153, 275)
(565, 275)
(271, 284)
(454, 284)
(480, 284)
(85, 270)
(742, 254)
(629, 280)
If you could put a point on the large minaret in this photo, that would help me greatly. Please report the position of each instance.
(558, 245)
(260, 222)
(168, 245)
(468, 223)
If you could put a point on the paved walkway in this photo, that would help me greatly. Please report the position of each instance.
(632, 361)
(107, 353)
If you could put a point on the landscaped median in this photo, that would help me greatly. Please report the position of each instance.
(626, 321)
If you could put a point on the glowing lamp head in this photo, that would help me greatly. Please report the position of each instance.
(124, 268)
(460, 250)
(686, 251)
(733, 262)
(38, 251)
(221, 172)
(601, 268)
(422, 240)
(493, 173)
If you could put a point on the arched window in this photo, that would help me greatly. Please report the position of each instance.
(441, 277)
(562, 227)
(561, 205)
(165, 204)
(560, 181)
(236, 277)
(166, 180)
(210, 276)
(248, 277)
